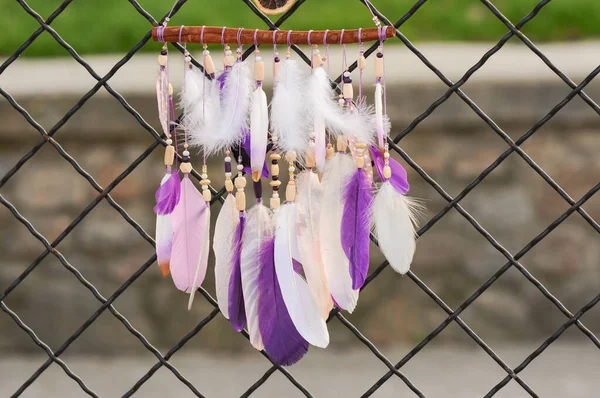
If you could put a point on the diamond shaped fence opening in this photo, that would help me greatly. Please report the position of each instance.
(451, 205)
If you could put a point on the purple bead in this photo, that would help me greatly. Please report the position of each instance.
(277, 59)
(228, 167)
(379, 55)
(185, 159)
(347, 80)
(257, 189)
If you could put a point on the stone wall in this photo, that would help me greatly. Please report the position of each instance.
(453, 146)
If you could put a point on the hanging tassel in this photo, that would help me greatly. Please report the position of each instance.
(296, 294)
(258, 229)
(337, 173)
(308, 207)
(223, 244)
(356, 221)
(281, 340)
(259, 121)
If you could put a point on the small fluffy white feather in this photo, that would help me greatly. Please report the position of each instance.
(257, 229)
(308, 211)
(360, 123)
(395, 217)
(298, 299)
(288, 108)
(339, 169)
(259, 130)
(225, 227)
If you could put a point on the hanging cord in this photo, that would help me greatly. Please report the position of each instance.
(360, 70)
(312, 50)
(382, 37)
(239, 59)
(344, 60)
(326, 49)
(371, 10)
(289, 41)
(275, 41)
(223, 41)
(204, 53)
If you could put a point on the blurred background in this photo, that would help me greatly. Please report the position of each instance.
(453, 146)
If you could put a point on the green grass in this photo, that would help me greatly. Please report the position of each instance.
(114, 26)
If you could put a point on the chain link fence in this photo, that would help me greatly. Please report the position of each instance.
(453, 202)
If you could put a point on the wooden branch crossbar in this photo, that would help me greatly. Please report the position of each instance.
(216, 35)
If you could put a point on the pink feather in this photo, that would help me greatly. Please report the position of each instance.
(189, 220)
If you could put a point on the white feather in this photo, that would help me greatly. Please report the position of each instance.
(288, 117)
(258, 228)
(225, 227)
(301, 306)
(259, 130)
(395, 217)
(360, 123)
(203, 260)
(201, 108)
(308, 211)
(235, 108)
(339, 169)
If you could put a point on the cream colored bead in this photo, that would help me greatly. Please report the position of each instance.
(185, 167)
(342, 144)
(275, 156)
(240, 182)
(329, 152)
(316, 61)
(275, 203)
(362, 62)
(290, 191)
(209, 65)
(240, 201)
(207, 195)
(229, 60)
(291, 156)
(275, 183)
(360, 145)
(205, 182)
(259, 71)
(348, 91)
(162, 60)
(310, 158)
(378, 67)
(360, 162)
(275, 169)
(387, 172)
(276, 69)
(229, 186)
(170, 89)
(169, 155)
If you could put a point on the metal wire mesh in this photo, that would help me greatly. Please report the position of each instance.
(47, 137)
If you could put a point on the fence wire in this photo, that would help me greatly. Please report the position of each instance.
(394, 369)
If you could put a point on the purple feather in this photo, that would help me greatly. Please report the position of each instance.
(221, 79)
(282, 341)
(246, 147)
(167, 194)
(399, 178)
(356, 223)
(236, 309)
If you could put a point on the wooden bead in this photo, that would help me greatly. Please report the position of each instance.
(275, 203)
(274, 169)
(360, 162)
(310, 158)
(240, 182)
(316, 61)
(290, 156)
(259, 71)
(169, 155)
(229, 60)
(378, 67)
(209, 64)
(387, 172)
(348, 91)
(185, 167)
(207, 195)
(240, 201)
(290, 191)
(362, 62)
(276, 69)
(329, 152)
(170, 89)
(342, 144)
(205, 182)
(229, 186)
(162, 60)
(275, 183)
(256, 175)
(360, 145)
(275, 156)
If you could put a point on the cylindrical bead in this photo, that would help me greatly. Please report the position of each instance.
(348, 90)
(274, 169)
(310, 158)
(162, 60)
(209, 65)
(229, 186)
(259, 71)
(342, 144)
(378, 67)
(240, 201)
(329, 152)
(316, 61)
(276, 69)
(362, 62)
(360, 162)
(169, 155)
(387, 172)
(275, 203)
(186, 167)
(290, 191)
(170, 89)
(240, 182)
(229, 60)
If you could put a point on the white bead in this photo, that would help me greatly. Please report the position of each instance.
(228, 52)
(169, 141)
(228, 159)
(258, 59)
(206, 52)
(346, 74)
(386, 155)
(341, 102)
(292, 169)
(359, 150)
(204, 187)
(186, 153)
(276, 195)
(316, 51)
(228, 174)
(188, 59)
(240, 167)
(204, 176)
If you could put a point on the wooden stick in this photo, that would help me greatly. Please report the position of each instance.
(212, 35)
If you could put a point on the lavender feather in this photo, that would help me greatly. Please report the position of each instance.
(282, 341)
(236, 309)
(399, 178)
(356, 223)
(167, 195)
